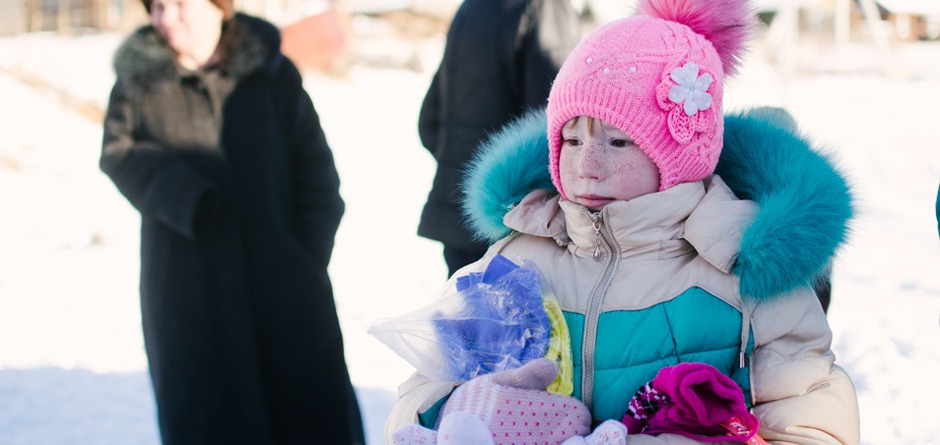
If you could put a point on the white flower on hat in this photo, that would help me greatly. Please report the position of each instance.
(690, 89)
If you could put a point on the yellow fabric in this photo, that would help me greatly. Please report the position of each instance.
(559, 349)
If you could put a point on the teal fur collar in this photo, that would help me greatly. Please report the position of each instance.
(804, 201)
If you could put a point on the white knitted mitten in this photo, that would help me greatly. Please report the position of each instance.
(611, 432)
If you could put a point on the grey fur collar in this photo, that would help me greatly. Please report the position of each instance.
(144, 60)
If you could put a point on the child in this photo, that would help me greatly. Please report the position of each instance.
(658, 253)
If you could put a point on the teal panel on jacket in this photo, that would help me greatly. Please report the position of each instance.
(632, 346)
(576, 331)
(428, 418)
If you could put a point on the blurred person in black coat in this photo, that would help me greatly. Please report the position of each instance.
(500, 59)
(210, 135)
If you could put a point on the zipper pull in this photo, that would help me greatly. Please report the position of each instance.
(596, 223)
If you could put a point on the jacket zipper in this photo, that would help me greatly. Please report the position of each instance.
(601, 235)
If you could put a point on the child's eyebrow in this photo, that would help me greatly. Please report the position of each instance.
(608, 127)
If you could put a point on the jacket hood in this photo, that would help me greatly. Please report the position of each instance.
(144, 60)
(804, 203)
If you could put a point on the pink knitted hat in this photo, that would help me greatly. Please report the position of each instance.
(656, 76)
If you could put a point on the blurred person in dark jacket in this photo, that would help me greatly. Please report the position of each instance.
(211, 136)
(499, 61)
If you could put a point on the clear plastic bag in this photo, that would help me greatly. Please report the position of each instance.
(496, 320)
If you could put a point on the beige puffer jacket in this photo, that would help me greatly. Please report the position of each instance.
(648, 252)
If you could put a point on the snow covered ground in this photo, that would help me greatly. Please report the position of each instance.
(72, 367)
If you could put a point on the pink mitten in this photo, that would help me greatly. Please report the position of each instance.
(516, 407)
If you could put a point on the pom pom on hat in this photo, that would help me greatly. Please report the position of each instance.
(658, 77)
(727, 24)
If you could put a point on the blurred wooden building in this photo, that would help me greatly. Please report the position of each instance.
(68, 16)
(316, 34)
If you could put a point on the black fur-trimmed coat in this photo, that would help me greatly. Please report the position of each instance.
(239, 203)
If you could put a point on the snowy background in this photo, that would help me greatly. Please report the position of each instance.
(72, 365)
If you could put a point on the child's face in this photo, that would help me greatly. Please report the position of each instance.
(600, 164)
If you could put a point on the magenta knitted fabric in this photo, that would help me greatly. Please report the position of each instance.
(694, 400)
(623, 73)
(519, 416)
